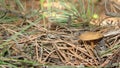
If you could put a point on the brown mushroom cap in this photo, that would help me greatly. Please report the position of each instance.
(87, 36)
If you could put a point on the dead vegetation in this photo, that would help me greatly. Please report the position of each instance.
(32, 41)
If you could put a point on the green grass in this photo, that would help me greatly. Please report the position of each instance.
(77, 11)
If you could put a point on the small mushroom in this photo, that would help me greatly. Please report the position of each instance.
(91, 37)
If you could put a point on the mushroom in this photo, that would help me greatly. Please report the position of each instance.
(91, 37)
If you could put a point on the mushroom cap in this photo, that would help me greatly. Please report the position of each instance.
(87, 36)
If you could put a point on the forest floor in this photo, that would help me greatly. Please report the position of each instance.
(35, 40)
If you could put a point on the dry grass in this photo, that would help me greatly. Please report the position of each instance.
(34, 41)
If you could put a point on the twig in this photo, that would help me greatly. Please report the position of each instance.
(113, 32)
(110, 13)
(110, 58)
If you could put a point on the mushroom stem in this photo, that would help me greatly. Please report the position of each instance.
(92, 44)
